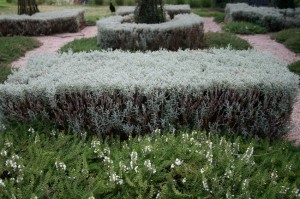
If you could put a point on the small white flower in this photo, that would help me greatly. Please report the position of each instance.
(178, 162)
(31, 130)
(53, 133)
(2, 184)
(91, 197)
(60, 166)
(172, 166)
(8, 144)
(184, 180)
(3, 153)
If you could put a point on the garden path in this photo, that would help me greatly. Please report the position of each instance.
(259, 42)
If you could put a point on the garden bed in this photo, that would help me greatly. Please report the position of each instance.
(184, 31)
(48, 23)
(248, 92)
(172, 10)
(271, 18)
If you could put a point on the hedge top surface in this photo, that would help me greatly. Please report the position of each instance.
(123, 23)
(187, 70)
(125, 10)
(45, 15)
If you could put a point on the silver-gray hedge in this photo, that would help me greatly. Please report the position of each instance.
(108, 92)
(184, 31)
(271, 18)
(71, 20)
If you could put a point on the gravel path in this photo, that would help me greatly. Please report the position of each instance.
(259, 42)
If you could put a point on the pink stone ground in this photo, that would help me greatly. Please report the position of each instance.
(259, 42)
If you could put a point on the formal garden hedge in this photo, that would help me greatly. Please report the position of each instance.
(110, 92)
(71, 20)
(171, 10)
(184, 31)
(272, 18)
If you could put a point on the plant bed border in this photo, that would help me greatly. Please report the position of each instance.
(185, 31)
(71, 20)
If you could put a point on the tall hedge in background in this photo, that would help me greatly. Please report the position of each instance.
(149, 11)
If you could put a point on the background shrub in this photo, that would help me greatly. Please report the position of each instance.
(284, 3)
(244, 28)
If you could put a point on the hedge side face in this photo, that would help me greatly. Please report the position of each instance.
(134, 93)
(271, 18)
(71, 20)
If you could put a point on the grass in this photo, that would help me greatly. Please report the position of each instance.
(295, 67)
(244, 28)
(290, 38)
(217, 40)
(78, 45)
(41, 161)
(217, 14)
(11, 48)
(222, 40)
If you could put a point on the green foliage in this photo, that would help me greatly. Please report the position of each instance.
(11, 48)
(44, 162)
(222, 40)
(295, 67)
(246, 28)
(290, 38)
(79, 45)
(297, 3)
(92, 19)
(219, 18)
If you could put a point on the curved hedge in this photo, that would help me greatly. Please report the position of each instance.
(47, 23)
(184, 31)
(247, 92)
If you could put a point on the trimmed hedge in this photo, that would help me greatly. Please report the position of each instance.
(71, 20)
(172, 10)
(184, 31)
(271, 18)
(248, 92)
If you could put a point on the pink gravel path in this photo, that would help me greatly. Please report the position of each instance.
(54, 42)
(259, 42)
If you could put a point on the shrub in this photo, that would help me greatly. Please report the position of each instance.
(195, 3)
(222, 40)
(55, 164)
(149, 12)
(71, 20)
(290, 38)
(133, 93)
(271, 18)
(244, 28)
(184, 31)
(284, 3)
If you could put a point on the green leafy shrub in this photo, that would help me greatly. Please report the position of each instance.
(48, 163)
(284, 3)
(290, 38)
(219, 18)
(222, 40)
(244, 28)
(295, 67)
(112, 92)
(195, 3)
(149, 12)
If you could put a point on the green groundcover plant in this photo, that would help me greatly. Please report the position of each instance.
(246, 28)
(40, 161)
(222, 40)
(295, 67)
(290, 38)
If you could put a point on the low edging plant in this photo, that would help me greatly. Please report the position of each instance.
(295, 67)
(71, 20)
(133, 93)
(244, 28)
(51, 164)
(290, 38)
